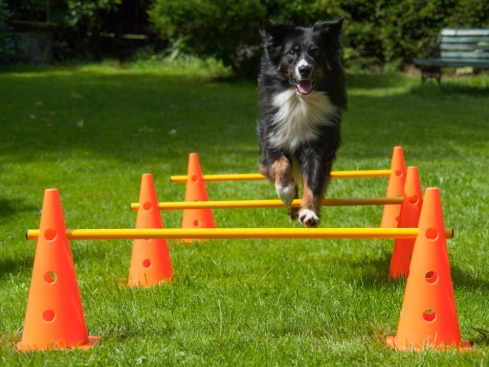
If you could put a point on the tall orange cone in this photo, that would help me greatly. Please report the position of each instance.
(428, 316)
(150, 261)
(409, 218)
(395, 188)
(195, 191)
(54, 315)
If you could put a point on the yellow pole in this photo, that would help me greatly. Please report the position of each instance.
(221, 233)
(258, 176)
(247, 204)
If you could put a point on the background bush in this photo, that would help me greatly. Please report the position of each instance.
(6, 43)
(382, 34)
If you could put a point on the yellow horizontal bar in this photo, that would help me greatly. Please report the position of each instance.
(258, 176)
(248, 204)
(221, 233)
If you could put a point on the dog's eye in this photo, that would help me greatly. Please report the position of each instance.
(292, 53)
(315, 53)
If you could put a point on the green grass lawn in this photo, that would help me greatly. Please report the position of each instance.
(92, 131)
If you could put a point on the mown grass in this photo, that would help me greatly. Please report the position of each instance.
(92, 131)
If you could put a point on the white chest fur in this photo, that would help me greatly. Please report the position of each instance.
(299, 117)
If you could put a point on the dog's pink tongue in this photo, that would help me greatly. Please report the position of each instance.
(304, 86)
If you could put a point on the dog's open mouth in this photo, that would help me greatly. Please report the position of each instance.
(304, 86)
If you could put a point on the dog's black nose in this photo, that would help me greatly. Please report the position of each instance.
(304, 70)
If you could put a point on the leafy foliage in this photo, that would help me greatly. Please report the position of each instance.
(6, 43)
(379, 34)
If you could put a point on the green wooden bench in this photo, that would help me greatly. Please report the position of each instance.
(456, 48)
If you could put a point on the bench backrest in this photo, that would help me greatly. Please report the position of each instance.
(464, 45)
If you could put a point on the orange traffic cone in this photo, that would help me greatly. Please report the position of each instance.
(150, 261)
(428, 316)
(409, 218)
(54, 315)
(395, 188)
(195, 191)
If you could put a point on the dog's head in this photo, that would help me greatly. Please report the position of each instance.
(303, 56)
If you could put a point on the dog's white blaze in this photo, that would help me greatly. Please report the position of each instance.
(299, 65)
(299, 117)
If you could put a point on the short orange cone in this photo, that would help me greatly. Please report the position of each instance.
(409, 218)
(150, 261)
(395, 188)
(428, 316)
(195, 191)
(54, 315)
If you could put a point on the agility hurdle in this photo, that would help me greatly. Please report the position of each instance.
(255, 204)
(259, 176)
(428, 318)
(237, 233)
(200, 215)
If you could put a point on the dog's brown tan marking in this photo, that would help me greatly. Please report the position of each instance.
(280, 173)
(310, 209)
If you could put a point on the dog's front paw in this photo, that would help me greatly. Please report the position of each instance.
(309, 218)
(286, 193)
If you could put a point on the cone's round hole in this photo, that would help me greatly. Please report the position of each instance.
(48, 315)
(194, 178)
(147, 205)
(431, 234)
(397, 219)
(431, 277)
(197, 223)
(50, 277)
(147, 263)
(429, 315)
(399, 172)
(50, 234)
(413, 199)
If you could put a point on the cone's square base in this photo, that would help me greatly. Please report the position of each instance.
(462, 347)
(61, 345)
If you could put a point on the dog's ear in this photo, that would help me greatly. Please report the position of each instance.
(274, 33)
(330, 28)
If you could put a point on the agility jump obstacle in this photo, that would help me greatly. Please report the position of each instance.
(428, 317)
(259, 176)
(254, 204)
(236, 233)
(198, 214)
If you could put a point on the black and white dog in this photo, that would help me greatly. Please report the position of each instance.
(301, 91)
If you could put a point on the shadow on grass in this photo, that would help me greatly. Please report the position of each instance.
(10, 207)
(15, 265)
(463, 279)
(136, 116)
(451, 88)
(373, 81)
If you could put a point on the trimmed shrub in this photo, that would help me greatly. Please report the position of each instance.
(6, 42)
(381, 34)
(228, 29)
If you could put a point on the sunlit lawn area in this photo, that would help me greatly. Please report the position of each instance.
(92, 131)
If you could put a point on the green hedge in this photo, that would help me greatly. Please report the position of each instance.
(6, 42)
(383, 34)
